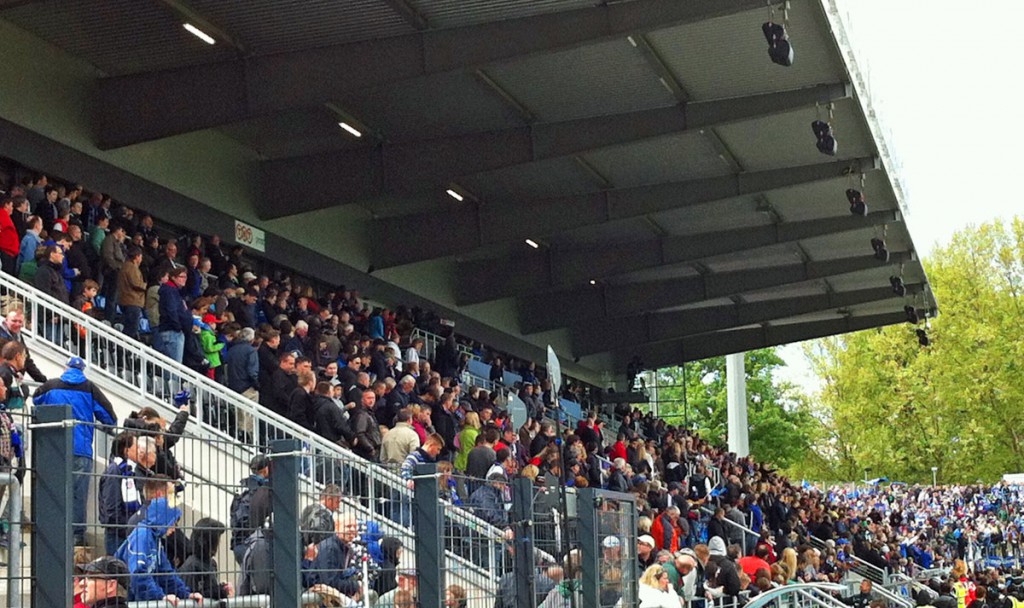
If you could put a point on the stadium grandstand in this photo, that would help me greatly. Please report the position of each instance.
(279, 282)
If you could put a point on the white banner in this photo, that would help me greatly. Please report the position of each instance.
(555, 373)
(250, 236)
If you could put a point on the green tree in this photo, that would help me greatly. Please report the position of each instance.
(900, 409)
(782, 426)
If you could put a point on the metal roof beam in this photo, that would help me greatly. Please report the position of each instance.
(140, 107)
(566, 308)
(609, 335)
(405, 240)
(534, 270)
(715, 344)
(294, 185)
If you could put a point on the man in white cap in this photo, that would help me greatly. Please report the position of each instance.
(644, 552)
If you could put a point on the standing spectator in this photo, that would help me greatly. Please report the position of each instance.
(153, 576)
(401, 440)
(88, 404)
(50, 275)
(131, 292)
(10, 330)
(175, 318)
(467, 439)
(10, 243)
(200, 568)
(366, 440)
(120, 488)
(300, 402)
(31, 241)
(112, 258)
(98, 234)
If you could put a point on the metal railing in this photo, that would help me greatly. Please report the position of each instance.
(147, 372)
(800, 595)
(871, 572)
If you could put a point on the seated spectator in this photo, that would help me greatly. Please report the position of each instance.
(656, 589)
(153, 576)
(406, 586)
(103, 582)
(200, 569)
(488, 501)
(335, 564)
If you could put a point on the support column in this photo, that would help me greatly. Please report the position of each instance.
(288, 549)
(428, 522)
(522, 516)
(52, 545)
(736, 387)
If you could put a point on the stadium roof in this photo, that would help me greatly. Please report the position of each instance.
(664, 168)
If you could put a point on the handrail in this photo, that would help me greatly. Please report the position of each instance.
(869, 571)
(105, 349)
(893, 598)
(729, 522)
(823, 589)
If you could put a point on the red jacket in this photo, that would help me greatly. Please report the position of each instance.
(666, 535)
(618, 450)
(9, 241)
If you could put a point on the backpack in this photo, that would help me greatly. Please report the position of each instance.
(240, 526)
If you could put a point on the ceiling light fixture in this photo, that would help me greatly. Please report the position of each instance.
(355, 132)
(593, 282)
(200, 34)
(455, 195)
(532, 243)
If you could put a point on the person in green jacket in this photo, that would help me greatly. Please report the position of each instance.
(467, 439)
(212, 347)
(98, 233)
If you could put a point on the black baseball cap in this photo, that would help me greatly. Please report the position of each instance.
(107, 568)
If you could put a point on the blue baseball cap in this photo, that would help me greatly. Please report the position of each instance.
(77, 363)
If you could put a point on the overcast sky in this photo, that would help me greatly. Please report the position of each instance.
(945, 78)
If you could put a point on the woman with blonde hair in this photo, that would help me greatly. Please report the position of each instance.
(788, 560)
(656, 590)
(467, 439)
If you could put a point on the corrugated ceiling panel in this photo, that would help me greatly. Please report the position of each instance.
(712, 217)
(275, 26)
(662, 159)
(117, 36)
(765, 257)
(728, 56)
(456, 13)
(293, 133)
(596, 80)
(828, 198)
(631, 230)
(556, 177)
(786, 140)
(442, 106)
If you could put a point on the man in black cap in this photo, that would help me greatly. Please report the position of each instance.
(104, 582)
(242, 524)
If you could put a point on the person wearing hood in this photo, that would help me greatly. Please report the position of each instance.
(200, 569)
(152, 575)
(88, 405)
(721, 570)
(391, 547)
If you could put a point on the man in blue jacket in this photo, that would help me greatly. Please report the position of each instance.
(88, 405)
(175, 317)
(152, 575)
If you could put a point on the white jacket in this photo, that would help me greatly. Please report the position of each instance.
(652, 597)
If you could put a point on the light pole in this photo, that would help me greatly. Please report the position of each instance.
(934, 471)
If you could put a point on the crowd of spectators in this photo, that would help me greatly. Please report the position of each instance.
(711, 525)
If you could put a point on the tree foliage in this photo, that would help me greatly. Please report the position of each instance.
(782, 427)
(898, 409)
